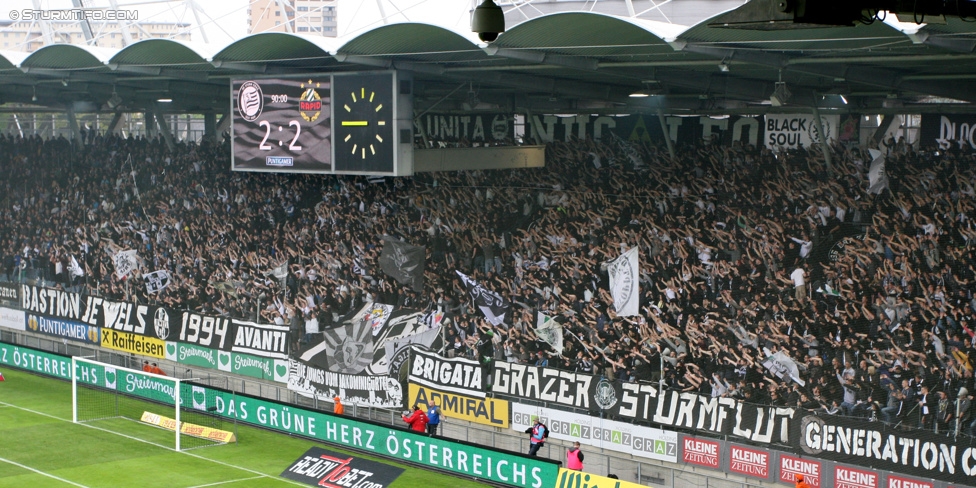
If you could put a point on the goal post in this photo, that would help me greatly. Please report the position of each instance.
(144, 405)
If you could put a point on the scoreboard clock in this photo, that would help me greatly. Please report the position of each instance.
(364, 123)
(342, 123)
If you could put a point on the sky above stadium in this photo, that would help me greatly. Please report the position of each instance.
(226, 20)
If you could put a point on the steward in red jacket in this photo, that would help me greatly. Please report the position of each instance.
(417, 419)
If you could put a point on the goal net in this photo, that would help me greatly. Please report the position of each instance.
(166, 411)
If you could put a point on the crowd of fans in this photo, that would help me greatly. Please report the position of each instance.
(744, 252)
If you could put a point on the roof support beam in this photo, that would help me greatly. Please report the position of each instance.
(538, 57)
(163, 125)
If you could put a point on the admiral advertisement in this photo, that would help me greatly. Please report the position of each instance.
(65, 329)
(143, 320)
(12, 319)
(486, 411)
(318, 467)
(352, 362)
(644, 402)
(922, 454)
(622, 437)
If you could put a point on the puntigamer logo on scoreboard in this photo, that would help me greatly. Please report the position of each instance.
(279, 161)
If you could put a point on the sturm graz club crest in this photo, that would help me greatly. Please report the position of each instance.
(605, 396)
(250, 101)
(161, 323)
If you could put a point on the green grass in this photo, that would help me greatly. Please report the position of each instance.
(40, 447)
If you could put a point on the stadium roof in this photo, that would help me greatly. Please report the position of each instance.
(558, 62)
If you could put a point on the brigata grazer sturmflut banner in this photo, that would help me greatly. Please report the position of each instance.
(644, 402)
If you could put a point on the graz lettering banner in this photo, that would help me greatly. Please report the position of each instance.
(644, 402)
(880, 446)
(352, 362)
(622, 437)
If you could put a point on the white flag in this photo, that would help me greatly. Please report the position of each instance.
(125, 262)
(76, 270)
(783, 367)
(280, 271)
(623, 283)
(877, 176)
(549, 331)
(157, 280)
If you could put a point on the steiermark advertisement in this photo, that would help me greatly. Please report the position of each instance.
(437, 453)
(231, 362)
(131, 382)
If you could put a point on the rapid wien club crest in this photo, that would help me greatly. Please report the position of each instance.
(310, 104)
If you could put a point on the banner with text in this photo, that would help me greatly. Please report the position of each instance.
(455, 375)
(945, 131)
(231, 362)
(593, 431)
(64, 329)
(487, 411)
(319, 467)
(143, 320)
(794, 130)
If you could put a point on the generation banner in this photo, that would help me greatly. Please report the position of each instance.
(622, 437)
(319, 467)
(352, 362)
(877, 445)
(493, 412)
(645, 128)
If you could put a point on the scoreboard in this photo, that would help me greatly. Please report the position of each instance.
(324, 123)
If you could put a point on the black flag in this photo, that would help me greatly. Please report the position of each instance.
(491, 304)
(404, 262)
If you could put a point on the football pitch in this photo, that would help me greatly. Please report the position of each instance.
(41, 447)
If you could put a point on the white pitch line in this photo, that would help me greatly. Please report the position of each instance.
(260, 474)
(42, 473)
(226, 482)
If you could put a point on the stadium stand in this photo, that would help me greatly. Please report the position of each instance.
(885, 309)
